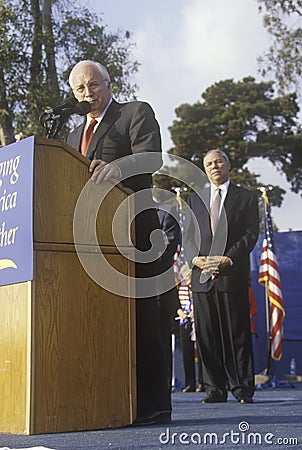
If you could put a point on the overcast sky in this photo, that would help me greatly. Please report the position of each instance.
(183, 47)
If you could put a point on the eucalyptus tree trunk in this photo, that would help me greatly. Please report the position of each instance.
(43, 74)
(36, 74)
(52, 76)
(6, 128)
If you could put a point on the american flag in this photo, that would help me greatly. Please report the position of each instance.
(269, 277)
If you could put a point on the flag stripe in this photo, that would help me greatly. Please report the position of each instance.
(270, 278)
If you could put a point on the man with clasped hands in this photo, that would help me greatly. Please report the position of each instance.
(220, 280)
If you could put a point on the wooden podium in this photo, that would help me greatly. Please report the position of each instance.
(67, 345)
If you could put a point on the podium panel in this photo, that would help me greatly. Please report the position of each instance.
(67, 345)
(15, 345)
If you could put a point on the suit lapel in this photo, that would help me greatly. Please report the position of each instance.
(203, 214)
(206, 198)
(106, 123)
(230, 199)
(77, 137)
(228, 204)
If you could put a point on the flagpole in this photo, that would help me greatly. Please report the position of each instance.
(179, 208)
(268, 328)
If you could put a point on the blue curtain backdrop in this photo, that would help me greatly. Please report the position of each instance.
(288, 250)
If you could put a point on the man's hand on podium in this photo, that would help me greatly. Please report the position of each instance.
(102, 171)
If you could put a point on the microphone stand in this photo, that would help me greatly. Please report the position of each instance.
(53, 123)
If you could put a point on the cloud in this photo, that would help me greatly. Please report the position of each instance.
(219, 38)
(197, 44)
(184, 46)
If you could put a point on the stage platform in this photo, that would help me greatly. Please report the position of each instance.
(273, 420)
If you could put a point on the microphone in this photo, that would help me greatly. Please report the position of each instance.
(82, 108)
(53, 119)
(62, 112)
(68, 104)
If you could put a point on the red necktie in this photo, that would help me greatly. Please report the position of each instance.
(215, 209)
(87, 137)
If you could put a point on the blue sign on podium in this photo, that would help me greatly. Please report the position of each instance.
(16, 212)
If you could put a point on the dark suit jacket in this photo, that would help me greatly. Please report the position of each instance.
(238, 232)
(168, 222)
(169, 302)
(131, 132)
(126, 129)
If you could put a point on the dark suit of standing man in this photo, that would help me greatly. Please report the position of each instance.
(123, 130)
(221, 303)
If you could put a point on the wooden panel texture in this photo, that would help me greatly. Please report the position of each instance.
(15, 303)
(84, 356)
(58, 181)
(67, 345)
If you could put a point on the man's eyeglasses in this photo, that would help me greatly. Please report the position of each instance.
(93, 86)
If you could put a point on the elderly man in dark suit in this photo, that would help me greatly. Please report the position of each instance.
(111, 131)
(220, 233)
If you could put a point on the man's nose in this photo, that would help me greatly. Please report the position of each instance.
(87, 91)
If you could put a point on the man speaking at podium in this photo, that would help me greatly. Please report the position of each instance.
(111, 131)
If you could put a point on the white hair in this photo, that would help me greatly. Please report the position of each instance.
(220, 152)
(99, 67)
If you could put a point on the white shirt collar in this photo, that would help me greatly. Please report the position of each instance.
(98, 118)
(223, 188)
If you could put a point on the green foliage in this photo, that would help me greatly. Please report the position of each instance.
(13, 49)
(283, 59)
(245, 119)
(81, 35)
(40, 42)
